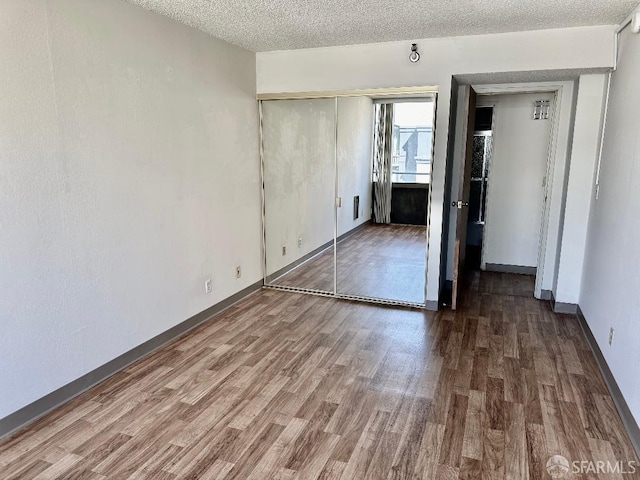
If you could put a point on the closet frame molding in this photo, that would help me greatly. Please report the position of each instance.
(388, 92)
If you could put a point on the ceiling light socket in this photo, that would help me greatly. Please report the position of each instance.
(414, 56)
(635, 22)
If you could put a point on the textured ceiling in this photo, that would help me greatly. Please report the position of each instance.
(262, 25)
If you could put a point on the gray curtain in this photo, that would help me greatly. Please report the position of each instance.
(382, 162)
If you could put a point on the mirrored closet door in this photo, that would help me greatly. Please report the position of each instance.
(298, 141)
(384, 171)
(346, 194)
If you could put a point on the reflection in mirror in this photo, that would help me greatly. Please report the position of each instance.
(372, 160)
(299, 192)
(384, 169)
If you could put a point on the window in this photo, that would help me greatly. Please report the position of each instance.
(480, 162)
(411, 145)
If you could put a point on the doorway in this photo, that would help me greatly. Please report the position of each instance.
(504, 160)
(480, 162)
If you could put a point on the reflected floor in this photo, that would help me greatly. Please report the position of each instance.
(380, 261)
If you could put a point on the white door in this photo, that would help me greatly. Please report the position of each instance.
(462, 203)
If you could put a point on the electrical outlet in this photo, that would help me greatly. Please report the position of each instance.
(611, 331)
(238, 272)
(299, 242)
(208, 285)
(284, 251)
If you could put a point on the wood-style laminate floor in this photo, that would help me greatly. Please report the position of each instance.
(288, 386)
(378, 261)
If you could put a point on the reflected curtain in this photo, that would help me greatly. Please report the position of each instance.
(382, 163)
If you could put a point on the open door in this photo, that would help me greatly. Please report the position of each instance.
(462, 204)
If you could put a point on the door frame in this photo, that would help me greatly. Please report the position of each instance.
(555, 113)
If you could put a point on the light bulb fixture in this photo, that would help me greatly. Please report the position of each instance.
(414, 56)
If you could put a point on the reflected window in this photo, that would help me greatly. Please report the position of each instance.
(411, 145)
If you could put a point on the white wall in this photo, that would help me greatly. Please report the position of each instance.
(515, 192)
(387, 65)
(299, 177)
(355, 160)
(584, 153)
(129, 174)
(611, 277)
